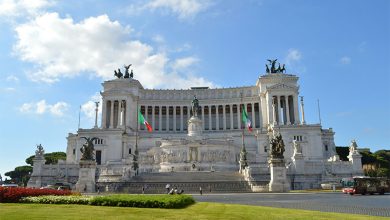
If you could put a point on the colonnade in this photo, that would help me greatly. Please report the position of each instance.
(114, 114)
(214, 116)
(285, 110)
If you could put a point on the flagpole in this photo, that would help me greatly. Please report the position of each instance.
(319, 111)
(78, 127)
(136, 141)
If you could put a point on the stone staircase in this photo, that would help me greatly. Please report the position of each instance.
(190, 182)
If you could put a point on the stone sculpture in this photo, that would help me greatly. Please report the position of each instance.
(195, 107)
(39, 152)
(88, 149)
(277, 146)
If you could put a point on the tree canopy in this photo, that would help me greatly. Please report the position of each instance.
(51, 158)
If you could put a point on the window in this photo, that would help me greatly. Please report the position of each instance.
(129, 150)
(265, 148)
(74, 151)
(298, 138)
(326, 147)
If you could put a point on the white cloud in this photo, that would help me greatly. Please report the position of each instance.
(184, 9)
(12, 78)
(184, 63)
(89, 107)
(293, 55)
(62, 48)
(345, 60)
(158, 39)
(42, 107)
(22, 8)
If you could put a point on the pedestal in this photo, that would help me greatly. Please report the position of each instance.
(86, 182)
(35, 180)
(279, 182)
(195, 127)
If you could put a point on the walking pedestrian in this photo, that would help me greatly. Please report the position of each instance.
(200, 190)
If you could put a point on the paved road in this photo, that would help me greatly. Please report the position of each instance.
(377, 205)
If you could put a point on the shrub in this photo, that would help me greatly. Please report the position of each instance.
(140, 201)
(15, 194)
(81, 200)
(144, 201)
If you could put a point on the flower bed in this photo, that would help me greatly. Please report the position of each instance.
(15, 194)
(124, 200)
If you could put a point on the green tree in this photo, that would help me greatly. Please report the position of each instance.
(20, 175)
(51, 158)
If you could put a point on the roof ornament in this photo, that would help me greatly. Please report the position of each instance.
(273, 69)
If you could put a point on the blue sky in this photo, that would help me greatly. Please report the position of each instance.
(55, 54)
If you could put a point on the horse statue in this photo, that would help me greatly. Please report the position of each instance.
(283, 69)
(88, 149)
(127, 74)
(272, 63)
(266, 69)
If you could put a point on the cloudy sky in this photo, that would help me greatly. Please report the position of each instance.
(55, 54)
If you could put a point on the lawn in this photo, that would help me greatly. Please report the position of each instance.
(197, 211)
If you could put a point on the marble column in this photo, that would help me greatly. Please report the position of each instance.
(224, 116)
(287, 109)
(112, 114)
(217, 117)
(231, 117)
(253, 115)
(296, 112)
(204, 126)
(303, 112)
(274, 111)
(104, 113)
(280, 112)
(153, 117)
(167, 119)
(119, 114)
(239, 116)
(160, 118)
(181, 118)
(174, 118)
(210, 124)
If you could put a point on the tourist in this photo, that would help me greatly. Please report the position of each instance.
(200, 190)
(167, 188)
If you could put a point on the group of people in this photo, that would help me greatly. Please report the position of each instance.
(173, 190)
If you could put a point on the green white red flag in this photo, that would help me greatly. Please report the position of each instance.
(142, 120)
(246, 119)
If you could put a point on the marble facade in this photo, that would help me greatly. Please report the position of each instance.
(209, 142)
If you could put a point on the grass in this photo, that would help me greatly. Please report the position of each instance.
(197, 211)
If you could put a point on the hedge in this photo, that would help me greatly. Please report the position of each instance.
(122, 200)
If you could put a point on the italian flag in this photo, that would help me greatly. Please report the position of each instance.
(142, 120)
(246, 120)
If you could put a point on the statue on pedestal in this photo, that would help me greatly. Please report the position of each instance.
(88, 149)
(39, 152)
(195, 107)
(277, 147)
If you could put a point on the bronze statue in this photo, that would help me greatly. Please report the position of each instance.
(272, 63)
(88, 149)
(277, 146)
(127, 74)
(131, 74)
(195, 107)
(266, 69)
(283, 69)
